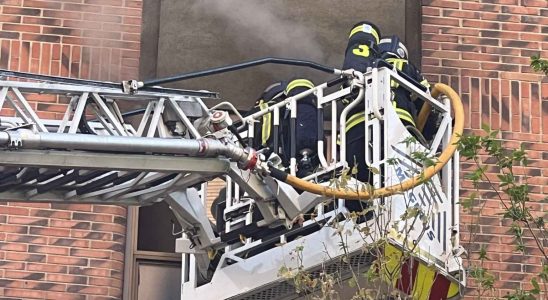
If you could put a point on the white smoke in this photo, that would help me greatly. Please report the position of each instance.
(264, 22)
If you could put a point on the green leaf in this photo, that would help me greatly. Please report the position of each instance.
(352, 282)
(536, 287)
(485, 127)
(483, 253)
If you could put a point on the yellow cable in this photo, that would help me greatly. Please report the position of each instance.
(444, 157)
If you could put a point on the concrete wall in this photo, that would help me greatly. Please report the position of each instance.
(183, 36)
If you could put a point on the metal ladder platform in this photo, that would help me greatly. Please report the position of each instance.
(168, 148)
(92, 109)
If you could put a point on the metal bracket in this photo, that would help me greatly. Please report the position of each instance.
(131, 86)
(15, 139)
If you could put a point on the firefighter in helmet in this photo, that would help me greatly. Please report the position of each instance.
(393, 51)
(361, 52)
(297, 141)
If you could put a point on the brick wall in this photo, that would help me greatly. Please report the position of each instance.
(482, 49)
(59, 251)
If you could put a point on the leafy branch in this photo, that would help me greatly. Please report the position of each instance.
(539, 65)
(513, 193)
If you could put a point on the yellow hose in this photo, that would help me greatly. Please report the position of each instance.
(444, 157)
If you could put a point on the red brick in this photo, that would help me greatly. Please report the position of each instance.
(515, 60)
(89, 271)
(90, 235)
(12, 2)
(480, 57)
(12, 265)
(14, 228)
(20, 28)
(535, 3)
(14, 247)
(21, 11)
(27, 221)
(500, 17)
(460, 31)
(49, 231)
(25, 293)
(534, 37)
(41, 4)
(65, 296)
(430, 11)
(84, 289)
(500, 67)
(479, 73)
(520, 27)
(90, 253)
(499, 34)
(520, 10)
(82, 24)
(104, 2)
(46, 268)
(66, 260)
(480, 41)
(501, 51)
(519, 44)
(480, 7)
(10, 210)
(10, 19)
(19, 256)
(133, 3)
(68, 242)
(55, 214)
(440, 21)
(46, 249)
(480, 24)
(460, 64)
(94, 281)
(461, 14)
(520, 76)
(109, 209)
(107, 19)
(72, 207)
(81, 7)
(75, 15)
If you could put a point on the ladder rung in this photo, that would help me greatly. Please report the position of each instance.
(57, 182)
(97, 184)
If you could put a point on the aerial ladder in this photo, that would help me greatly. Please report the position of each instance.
(174, 144)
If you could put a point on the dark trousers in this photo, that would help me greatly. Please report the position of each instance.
(355, 156)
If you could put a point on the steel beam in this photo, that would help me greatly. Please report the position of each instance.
(20, 195)
(112, 161)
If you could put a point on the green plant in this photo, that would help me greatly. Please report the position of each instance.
(539, 65)
(512, 191)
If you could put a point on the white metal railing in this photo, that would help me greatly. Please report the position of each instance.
(375, 100)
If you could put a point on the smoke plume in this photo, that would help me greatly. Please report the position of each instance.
(264, 22)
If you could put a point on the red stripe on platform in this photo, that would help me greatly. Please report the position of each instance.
(408, 274)
(440, 288)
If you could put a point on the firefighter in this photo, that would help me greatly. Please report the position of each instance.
(262, 134)
(361, 51)
(305, 131)
(394, 52)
